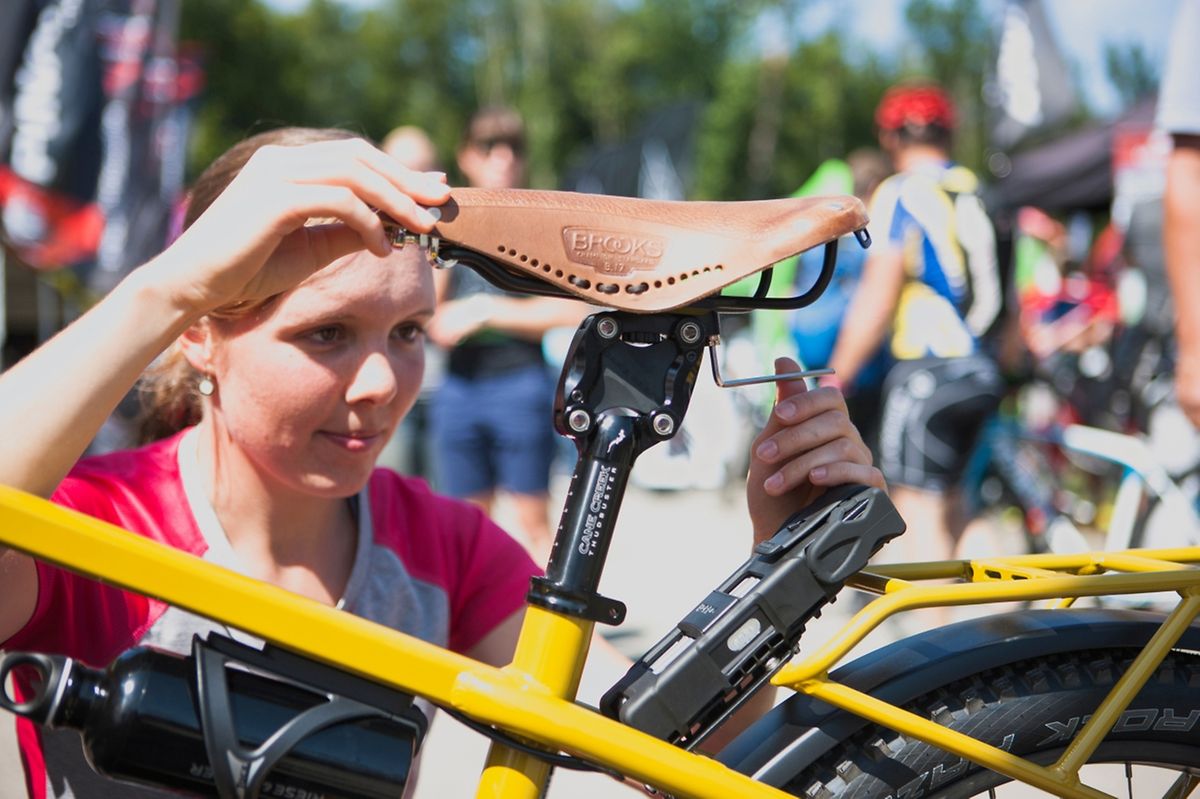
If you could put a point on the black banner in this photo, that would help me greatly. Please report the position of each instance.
(19, 19)
(97, 105)
(144, 131)
(54, 101)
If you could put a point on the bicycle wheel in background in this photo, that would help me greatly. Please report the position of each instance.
(1031, 708)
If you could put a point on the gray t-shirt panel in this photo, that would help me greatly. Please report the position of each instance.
(379, 589)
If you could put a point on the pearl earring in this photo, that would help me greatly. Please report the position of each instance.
(206, 386)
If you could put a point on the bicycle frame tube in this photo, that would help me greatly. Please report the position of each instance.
(551, 649)
(1006, 579)
(514, 700)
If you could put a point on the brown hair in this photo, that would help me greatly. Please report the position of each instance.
(495, 123)
(170, 400)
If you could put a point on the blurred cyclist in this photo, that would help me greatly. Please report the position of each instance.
(929, 291)
(490, 416)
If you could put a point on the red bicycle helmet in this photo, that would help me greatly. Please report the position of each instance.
(915, 105)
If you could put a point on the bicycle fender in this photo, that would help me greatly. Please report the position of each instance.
(800, 730)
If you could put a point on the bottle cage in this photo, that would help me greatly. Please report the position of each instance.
(240, 772)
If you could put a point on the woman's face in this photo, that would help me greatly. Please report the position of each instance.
(493, 164)
(312, 386)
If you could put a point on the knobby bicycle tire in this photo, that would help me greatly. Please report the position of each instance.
(1030, 708)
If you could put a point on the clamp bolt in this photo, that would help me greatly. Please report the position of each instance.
(689, 332)
(579, 420)
(607, 327)
(663, 423)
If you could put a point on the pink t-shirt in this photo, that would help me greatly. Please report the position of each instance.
(427, 565)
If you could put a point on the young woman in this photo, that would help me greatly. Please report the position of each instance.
(292, 334)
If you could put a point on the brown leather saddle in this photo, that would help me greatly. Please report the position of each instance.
(634, 254)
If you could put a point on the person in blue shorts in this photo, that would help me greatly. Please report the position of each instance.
(491, 416)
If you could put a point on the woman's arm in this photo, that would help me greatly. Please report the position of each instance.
(250, 244)
(54, 401)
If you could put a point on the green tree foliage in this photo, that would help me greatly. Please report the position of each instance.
(583, 72)
(248, 57)
(826, 111)
(1130, 71)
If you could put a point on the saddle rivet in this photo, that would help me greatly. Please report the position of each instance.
(579, 420)
(689, 332)
(663, 423)
(607, 327)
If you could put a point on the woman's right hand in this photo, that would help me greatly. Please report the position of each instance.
(252, 242)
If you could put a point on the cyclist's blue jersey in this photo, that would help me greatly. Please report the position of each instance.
(951, 293)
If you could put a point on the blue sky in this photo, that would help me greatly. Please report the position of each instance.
(1082, 28)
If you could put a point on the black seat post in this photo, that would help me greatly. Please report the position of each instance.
(625, 387)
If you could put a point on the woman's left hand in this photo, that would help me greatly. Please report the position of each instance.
(808, 445)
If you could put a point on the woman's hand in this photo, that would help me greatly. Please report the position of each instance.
(252, 242)
(808, 445)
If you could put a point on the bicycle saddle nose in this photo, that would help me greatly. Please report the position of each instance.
(635, 254)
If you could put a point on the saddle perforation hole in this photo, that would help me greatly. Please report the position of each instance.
(524, 258)
(683, 276)
(558, 273)
(546, 268)
(533, 261)
(637, 288)
(658, 284)
(607, 288)
(501, 248)
(511, 252)
(670, 281)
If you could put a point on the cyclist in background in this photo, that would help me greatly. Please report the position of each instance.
(488, 416)
(929, 291)
(412, 147)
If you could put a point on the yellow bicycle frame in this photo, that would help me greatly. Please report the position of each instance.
(531, 698)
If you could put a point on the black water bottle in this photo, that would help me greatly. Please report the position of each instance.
(207, 725)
